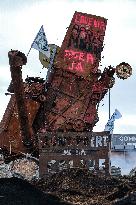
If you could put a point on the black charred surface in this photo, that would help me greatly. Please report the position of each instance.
(80, 185)
(16, 191)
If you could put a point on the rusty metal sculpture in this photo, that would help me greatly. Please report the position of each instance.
(16, 130)
(66, 102)
(16, 60)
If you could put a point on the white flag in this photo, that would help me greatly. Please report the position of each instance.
(40, 43)
(110, 124)
(116, 114)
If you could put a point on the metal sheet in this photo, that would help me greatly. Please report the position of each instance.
(96, 147)
(81, 49)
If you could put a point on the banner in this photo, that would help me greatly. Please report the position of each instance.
(40, 43)
(45, 61)
(110, 124)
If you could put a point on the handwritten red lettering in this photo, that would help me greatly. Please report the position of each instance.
(77, 20)
(79, 56)
(79, 67)
(76, 55)
(90, 58)
(90, 21)
(72, 67)
(67, 54)
(82, 20)
(76, 66)
(70, 54)
(102, 26)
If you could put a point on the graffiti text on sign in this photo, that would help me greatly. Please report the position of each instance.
(76, 66)
(80, 56)
(90, 21)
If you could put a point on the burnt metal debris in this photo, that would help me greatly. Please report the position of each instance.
(80, 186)
(16, 61)
(54, 120)
(57, 115)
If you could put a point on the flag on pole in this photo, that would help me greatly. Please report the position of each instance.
(40, 43)
(110, 124)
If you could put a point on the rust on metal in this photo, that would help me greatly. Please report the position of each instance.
(71, 102)
(16, 61)
(62, 110)
(81, 49)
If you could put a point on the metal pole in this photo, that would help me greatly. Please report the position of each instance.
(29, 51)
(109, 105)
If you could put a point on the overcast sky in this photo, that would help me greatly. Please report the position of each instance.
(20, 20)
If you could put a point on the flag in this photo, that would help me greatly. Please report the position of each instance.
(40, 43)
(110, 124)
(116, 114)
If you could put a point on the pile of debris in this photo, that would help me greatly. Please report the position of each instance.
(24, 167)
(79, 186)
(115, 171)
(68, 186)
(132, 172)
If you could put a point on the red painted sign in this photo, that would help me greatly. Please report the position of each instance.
(82, 46)
(90, 21)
